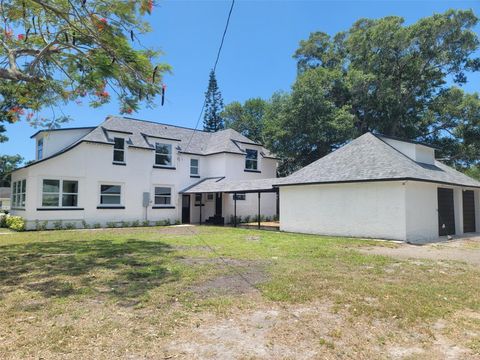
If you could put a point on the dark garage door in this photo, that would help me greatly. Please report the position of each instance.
(468, 211)
(446, 212)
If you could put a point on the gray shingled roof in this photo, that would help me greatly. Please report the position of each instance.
(221, 184)
(369, 158)
(202, 143)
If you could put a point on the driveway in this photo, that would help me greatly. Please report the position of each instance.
(465, 249)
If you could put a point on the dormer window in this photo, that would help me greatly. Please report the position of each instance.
(40, 149)
(251, 159)
(119, 150)
(194, 168)
(163, 155)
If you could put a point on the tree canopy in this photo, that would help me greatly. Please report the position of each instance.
(386, 77)
(57, 51)
(247, 119)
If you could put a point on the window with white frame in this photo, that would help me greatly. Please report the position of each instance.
(210, 197)
(198, 199)
(110, 194)
(163, 196)
(163, 154)
(40, 149)
(59, 193)
(119, 150)
(194, 167)
(251, 159)
(19, 191)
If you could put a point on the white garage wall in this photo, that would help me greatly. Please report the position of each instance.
(421, 212)
(371, 210)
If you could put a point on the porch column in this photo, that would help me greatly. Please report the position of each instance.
(259, 209)
(235, 209)
(201, 198)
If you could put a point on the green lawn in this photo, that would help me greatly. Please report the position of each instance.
(135, 292)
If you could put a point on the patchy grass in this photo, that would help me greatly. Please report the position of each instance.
(137, 292)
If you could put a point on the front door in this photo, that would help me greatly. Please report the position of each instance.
(218, 204)
(446, 212)
(468, 211)
(185, 209)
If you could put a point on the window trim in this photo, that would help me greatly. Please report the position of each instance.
(158, 206)
(60, 195)
(19, 192)
(40, 148)
(119, 150)
(119, 205)
(171, 165)
(239, 197)
(197, 174)
(252, 169)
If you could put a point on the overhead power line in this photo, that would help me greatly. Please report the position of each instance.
(214, 69)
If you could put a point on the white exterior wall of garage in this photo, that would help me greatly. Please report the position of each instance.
(397, 210)
(91, 165)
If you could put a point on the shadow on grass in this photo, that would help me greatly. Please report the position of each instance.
(123, 271)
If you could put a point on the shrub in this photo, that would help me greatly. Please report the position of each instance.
(58, 225)
(125, 224)
(146, 223)
(3, 220)
(245, 220)
(85, 224)
(15, 223)
(70, 226)
(97, 226)
(177, 222)
(41, 225)
(275, 217)
(136, 223)
(167, 222)
(159, 223)
(111, 224)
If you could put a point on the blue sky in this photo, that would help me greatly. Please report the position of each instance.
(256, 59)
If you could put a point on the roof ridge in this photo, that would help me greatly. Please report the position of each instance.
(156, 123)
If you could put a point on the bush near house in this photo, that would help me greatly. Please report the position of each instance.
(16, 223)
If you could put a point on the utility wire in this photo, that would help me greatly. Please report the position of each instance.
(214, 69)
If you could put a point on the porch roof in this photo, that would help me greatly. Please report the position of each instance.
(221, 184)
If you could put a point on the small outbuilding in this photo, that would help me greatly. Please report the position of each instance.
(380, 187)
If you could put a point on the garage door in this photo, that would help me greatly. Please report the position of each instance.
(446, 212)
(468, 211)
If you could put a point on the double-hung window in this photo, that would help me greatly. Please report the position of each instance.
(251, 159)
(198, 199)
(239, 196)
(40, 149)
(194, 167)
(118, 150)
(19, 193)
(163, 196)
(59, 193)
(163, 155)
(110, 195)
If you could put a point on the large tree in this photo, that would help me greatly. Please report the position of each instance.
(7, 165)
(386, 77)
(246, 118)
(212, 119)
(56, 51)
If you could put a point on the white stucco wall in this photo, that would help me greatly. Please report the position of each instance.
(421, 212)
(371, 210)
(417, 152)
(91, 165)
(54, 141)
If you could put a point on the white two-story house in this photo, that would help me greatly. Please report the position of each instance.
(128, 170)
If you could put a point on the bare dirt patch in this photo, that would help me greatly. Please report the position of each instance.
(456, 250)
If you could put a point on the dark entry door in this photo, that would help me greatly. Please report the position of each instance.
(185, 209)
(218, 204)
(446, 212)
(468, 211)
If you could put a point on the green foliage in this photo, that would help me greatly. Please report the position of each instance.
(85, 224)
(247, 119)
(41, 225)
(177, 222)
(96, 226)
(8, 163)
(111, 224)
(124, 224)
(136, 223)
(16, 223)
(473, 172)
(58, 225)
(145, 223)
(70, 226)
(3, 220)
(212, 119)
(74, 51)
